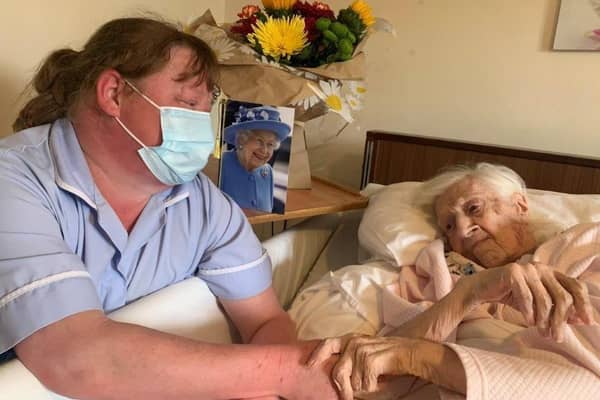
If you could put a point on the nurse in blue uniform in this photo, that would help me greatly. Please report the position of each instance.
(246, 174)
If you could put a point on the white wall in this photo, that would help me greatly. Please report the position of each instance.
(478, 70)
(31, 29)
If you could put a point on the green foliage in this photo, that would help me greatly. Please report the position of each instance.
(345, 46)
(340, 30)
(352, 20)
(323, 23)
(330, 36)
(275, 13)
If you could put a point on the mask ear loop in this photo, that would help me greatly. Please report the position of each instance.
(123, 125)
(129, 133)
(148, 99)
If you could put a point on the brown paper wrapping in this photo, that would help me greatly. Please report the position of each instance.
(247, 77)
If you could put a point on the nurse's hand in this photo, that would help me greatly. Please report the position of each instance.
(314, 380)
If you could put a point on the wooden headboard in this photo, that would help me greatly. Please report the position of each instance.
(397, 157)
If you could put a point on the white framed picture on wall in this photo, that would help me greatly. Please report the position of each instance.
(578, 25)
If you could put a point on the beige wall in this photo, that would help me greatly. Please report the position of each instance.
(479, 70)
(31, 29)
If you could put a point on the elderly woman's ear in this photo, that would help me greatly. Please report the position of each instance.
(520, 202)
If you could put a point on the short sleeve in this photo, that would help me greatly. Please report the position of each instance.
(234, 264)
(41, 280)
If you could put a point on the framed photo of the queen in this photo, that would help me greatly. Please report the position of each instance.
(578, 26)
(255, 154)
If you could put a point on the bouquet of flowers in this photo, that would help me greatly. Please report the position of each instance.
(299, 33)
(295, 53)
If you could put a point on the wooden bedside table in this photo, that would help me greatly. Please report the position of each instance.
(324, 198)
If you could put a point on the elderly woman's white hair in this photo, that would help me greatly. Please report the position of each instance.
(502, 180)
(499, 178)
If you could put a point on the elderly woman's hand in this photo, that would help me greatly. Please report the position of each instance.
(365, 359)
(547, 298)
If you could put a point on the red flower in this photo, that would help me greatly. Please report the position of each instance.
(315, 10)
(311, 13)
(244, 26)
(321, 6)
(311, 30)
(248, 11)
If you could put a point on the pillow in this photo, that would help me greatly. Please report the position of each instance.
(394, 229)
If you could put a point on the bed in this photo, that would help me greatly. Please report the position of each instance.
(392, 158)
(314, 248)
(394, 232)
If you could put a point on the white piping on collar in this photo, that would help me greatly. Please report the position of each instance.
(71, 189)
(65, 186)
(229, 270)
(177, 199)
(30, 287)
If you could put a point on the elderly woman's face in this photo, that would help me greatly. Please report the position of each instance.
(258, 150)
(481, 225)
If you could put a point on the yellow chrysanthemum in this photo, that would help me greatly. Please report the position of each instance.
(279, 37)
(279, 4)
(364, 11)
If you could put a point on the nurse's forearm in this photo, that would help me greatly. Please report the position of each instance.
(85, 356)
(278, 330)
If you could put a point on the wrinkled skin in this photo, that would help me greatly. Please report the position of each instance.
(493, 231)
(483, 226)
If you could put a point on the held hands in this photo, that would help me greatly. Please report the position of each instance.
(547, 298)
(303, 382)
(312, 381)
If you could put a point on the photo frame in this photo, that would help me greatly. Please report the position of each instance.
(578, 26)
(255, 154)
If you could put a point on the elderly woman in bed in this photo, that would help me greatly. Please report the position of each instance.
(483, 214)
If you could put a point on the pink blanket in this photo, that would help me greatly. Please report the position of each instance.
(504, 359)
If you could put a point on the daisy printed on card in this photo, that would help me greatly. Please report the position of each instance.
(224, 48)
(357, 88)
(330, 93)
(247, 50)
(308, 102)
(354, 102)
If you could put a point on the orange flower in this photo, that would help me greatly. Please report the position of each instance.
(321, 6)
(248, 11)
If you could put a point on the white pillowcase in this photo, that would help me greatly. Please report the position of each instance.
(395, 230)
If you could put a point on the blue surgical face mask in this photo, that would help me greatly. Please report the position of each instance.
(187, 142)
